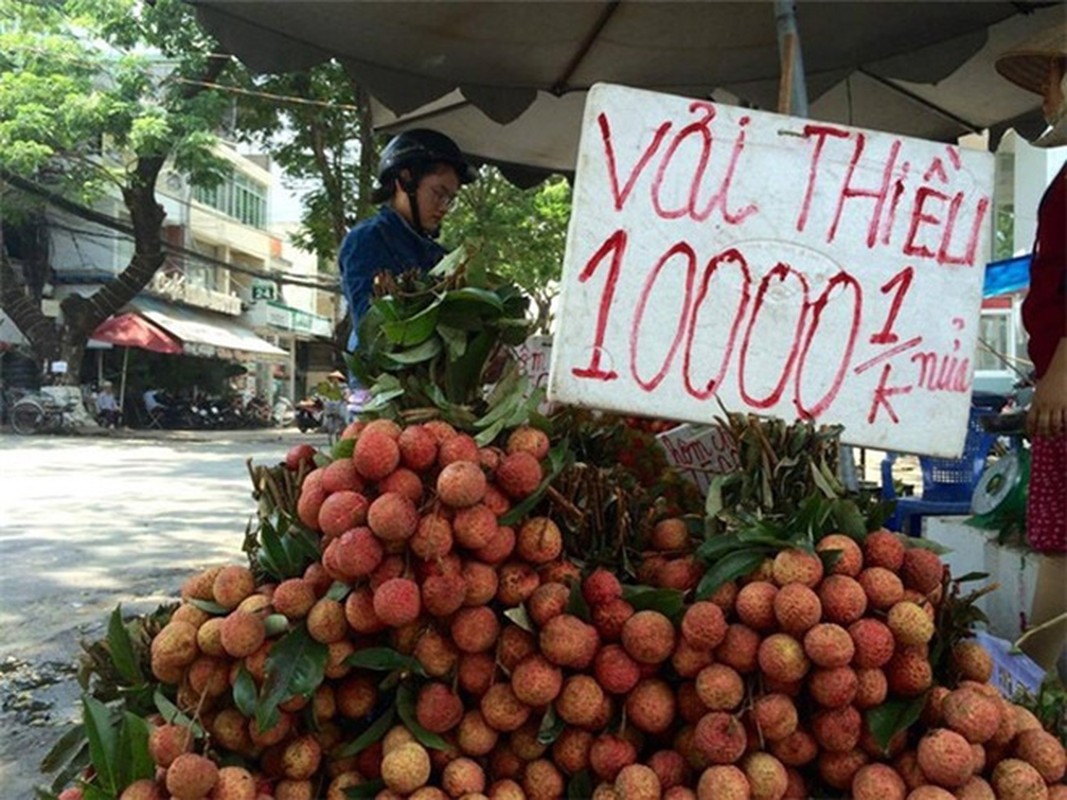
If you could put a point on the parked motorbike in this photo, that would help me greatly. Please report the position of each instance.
(309, 414)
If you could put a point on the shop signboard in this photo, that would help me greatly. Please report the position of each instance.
(783, 266)
(699, 452)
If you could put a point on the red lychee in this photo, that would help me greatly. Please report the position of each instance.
(418, 448)
(648, 636)
(848, 555)
(342, 511)
(376, 454)
(518, 475)
(397, 602)
(720, 737)
(704, 625)
(461, 484)
(922, 570)
(883, 549)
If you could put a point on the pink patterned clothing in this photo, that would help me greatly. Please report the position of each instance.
(1046, 503)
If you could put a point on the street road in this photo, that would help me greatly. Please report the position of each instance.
(87, 523)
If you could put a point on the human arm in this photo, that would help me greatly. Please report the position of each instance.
(1048, 407)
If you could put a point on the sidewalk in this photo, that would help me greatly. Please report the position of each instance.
(288, 436)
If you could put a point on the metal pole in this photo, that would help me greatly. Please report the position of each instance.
(792, 60)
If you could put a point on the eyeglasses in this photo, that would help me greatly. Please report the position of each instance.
(442, 197)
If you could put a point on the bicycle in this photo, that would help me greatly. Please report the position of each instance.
(40, 413)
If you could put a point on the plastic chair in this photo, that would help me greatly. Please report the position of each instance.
(947, 483)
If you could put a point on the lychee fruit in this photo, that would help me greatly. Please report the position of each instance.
(601, 586)
(720, 687)
(739, 649)
(518, 474)
(669, 534)
(579, 700)
(720, 737)
(528, 440)
(648, 636)
(1044, 752)
(341, 475)
(782, 658)
(651, 706)
(797, 566)
(536, 681)
(883, 549)
(843, 599)
(723, 782)
(548, 600)
(873, 642)
(418, 448)
(774, 716)
(461, 484)
(406, 768)
(847, 555)
(475, 629)
(909, 672)
(502, 710)
(755, 605)
(356, 553)
(883, 588)
(242, 633)
(972, 661)
(232, 585)
(945, 758)
(567, 641)
(539, 540)
(437, 708)
(293, 597)
(393, 517)
(463, 777)
(837, 729)
(191, 776)
(828, 645)
(474, 527)
(342, 511)
(971, 714)
(922, 570)
(797, 608)
(397, 602)
(637, 782)
(910, 624)
(167, 742)
(615, 671)
(704, 625)
(375, 454)
(1014, 779)
(833, 687)
(766, 775)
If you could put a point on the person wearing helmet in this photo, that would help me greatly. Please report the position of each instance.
(419, 174)
(1040, 66)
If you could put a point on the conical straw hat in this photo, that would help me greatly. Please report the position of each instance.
(1026, 64)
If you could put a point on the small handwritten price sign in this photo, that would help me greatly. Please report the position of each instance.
(791, 267)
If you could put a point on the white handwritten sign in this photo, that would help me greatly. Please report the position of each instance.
(790, 267)
(700, 451)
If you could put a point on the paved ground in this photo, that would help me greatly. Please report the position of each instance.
(88, 522)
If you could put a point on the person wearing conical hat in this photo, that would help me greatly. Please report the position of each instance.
(1039, 65)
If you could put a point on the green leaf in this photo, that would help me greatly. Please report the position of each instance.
(926, 544)
(365, 791)
(295, 666)
(121, 648)
(451, 262)
(646, 598)
(734, 565)
(134, 761)
(343, 449)
(821, 482)
(558, 458)
(576, 604)
(103, 743)
(551, 727)
(338, 591)
(971, 576)
(65, 748)
(418, 354)
(849, 519)
(413, 330)
(455, 340)
(520, 617)
(829, 558)
(891, 717)
(171, 713)
(384, 659)
(244, 693)
(715, 546)
(371, 735)
(580, 786)
(210, 607)
(405, 707)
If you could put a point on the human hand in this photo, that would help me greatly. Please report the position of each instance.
(1048, 409)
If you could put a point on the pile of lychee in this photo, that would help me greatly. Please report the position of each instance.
(545, 677)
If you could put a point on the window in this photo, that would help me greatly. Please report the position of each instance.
(238, 196)
(994, 339)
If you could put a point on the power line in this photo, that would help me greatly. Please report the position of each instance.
(87, 213)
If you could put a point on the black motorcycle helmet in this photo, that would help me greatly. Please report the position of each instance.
(422, 146)
(417, 150)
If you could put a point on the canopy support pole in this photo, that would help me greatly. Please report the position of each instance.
(792, 89)
(122, 383)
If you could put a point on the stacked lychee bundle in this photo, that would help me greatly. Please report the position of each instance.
(514, 671)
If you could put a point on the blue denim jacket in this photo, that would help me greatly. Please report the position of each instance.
(384, 242)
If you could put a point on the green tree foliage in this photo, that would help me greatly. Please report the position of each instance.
(95, 97)
(519, 233)
(316, 126)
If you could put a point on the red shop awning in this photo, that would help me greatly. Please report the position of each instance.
(133, 330)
